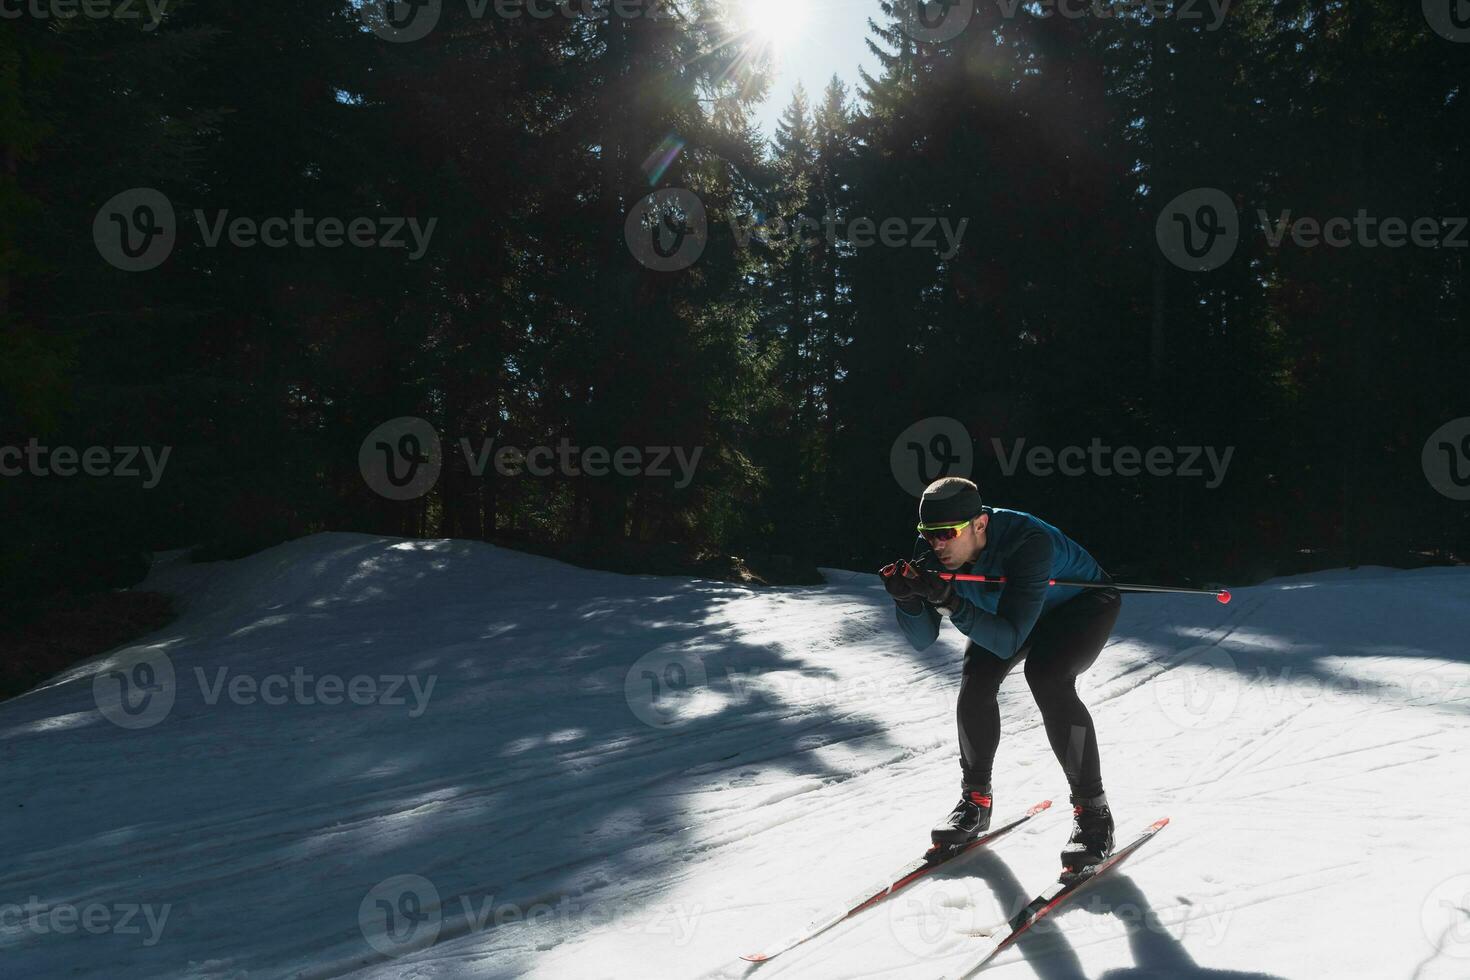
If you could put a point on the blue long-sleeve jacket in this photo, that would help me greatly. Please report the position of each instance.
(1029, 552)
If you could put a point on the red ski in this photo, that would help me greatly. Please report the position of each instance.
(936, 856)
(1068, 885)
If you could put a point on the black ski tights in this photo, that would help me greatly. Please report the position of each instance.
(1064, 643)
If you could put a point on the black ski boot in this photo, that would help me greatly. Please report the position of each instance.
(1092, 833)
(969, 819)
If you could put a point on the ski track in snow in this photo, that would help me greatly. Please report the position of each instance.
(1307, 741)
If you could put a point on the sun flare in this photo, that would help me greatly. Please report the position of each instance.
(773, 23)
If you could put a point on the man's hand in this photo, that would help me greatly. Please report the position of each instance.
(910, 586)
(929, 586)
(899, 579)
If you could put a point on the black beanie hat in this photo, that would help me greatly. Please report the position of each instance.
(949, 501)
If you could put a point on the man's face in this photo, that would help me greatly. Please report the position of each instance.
(963, 547)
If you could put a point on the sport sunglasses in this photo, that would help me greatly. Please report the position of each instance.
(941, 532)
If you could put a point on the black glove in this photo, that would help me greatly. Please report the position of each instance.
(929, 586)
(899, 579)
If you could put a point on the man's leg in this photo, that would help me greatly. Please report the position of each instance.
(978, 714)
(979, 724)
(1064, 644)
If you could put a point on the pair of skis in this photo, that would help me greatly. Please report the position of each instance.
(937, 856)
(1064, 888)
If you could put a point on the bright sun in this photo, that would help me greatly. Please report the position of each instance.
(776, 23)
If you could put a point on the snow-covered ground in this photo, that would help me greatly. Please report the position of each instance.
(361, 756)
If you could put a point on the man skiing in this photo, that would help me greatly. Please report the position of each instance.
(1058, 631)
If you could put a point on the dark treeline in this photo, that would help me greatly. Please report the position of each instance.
(792, 362)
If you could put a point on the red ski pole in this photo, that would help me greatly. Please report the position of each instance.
(1221, 595)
